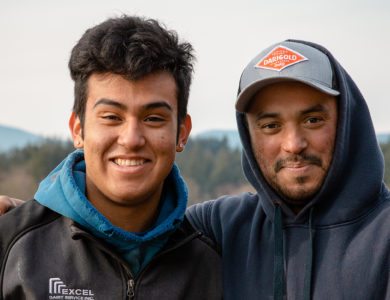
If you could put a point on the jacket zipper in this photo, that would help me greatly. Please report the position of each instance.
(130, 293)
(131, 282)
(130, 286)
(130, 289)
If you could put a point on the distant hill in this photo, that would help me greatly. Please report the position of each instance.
(16, 138)
(383, 137)
(233, 139)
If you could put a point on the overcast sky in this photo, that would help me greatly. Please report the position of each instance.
(36, 38)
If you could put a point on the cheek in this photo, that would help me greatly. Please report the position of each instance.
(92, 143)
(164, 149)
(325, 145)
(98, 137)
(329, 153)
(267, 147)
(264, 154)
(163, 142)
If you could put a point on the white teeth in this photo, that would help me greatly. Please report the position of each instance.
(129, 162)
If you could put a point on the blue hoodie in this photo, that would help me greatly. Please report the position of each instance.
(63, 191)
(336, 247)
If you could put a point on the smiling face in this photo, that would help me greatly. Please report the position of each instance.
(292, 128)
(129, 138)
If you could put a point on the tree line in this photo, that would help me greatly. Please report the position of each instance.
(210, 167)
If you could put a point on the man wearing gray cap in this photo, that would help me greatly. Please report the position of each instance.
(319, 225)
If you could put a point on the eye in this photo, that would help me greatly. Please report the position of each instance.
(111, 117)
(270, 126)
(313, 120)
(154, 119)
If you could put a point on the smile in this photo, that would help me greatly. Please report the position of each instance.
(296, 166)
(129, 162)
(302, 162)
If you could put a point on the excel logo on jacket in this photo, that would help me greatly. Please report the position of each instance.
(59, 290)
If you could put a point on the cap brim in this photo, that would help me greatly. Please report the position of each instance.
(247, 94)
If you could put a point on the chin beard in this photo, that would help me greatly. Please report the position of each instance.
(297, 197)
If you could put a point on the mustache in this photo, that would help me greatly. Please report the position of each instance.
(303, 158)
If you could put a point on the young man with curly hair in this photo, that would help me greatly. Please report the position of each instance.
(108, 222)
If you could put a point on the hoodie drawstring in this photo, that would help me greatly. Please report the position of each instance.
(278, 254)
(309, 261)
(279, 257)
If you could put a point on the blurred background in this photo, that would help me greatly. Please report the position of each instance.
(36, 93)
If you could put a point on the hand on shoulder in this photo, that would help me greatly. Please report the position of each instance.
(7, 203)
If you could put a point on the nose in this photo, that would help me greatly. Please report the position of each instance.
(294, 141)
(131, 135)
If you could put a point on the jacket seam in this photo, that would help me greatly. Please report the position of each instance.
(210, 243)
(208, 214)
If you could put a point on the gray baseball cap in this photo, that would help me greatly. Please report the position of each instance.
(285, 61)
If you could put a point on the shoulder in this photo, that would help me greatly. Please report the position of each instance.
(381, 212)
(199, 237)
(20, 221)
(192, 245)
(26, 215)
(225, 207)
(216, 216)
(196, 244)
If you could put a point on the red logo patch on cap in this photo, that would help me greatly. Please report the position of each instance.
(279, 58)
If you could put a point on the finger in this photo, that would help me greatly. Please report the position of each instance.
(7, 203)
(16, 202)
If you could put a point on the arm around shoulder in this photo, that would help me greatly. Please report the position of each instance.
(199, 216)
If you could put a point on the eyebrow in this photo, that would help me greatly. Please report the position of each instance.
(158, 105)
(261, 116)
(315, 108)
(105, 101)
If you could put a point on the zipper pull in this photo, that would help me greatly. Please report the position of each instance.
(130, 289)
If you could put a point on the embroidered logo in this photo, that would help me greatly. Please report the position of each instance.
(58, 290)
(279, 58)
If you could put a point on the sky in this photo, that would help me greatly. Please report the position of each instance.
(36, 38)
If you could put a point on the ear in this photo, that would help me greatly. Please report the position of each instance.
(184, 133)
(76, 131)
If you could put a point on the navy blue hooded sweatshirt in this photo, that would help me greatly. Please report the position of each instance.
(336, 247)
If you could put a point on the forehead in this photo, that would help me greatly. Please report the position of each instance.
(289, 96)
(158, 86)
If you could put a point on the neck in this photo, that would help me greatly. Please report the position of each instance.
(135, 219)
(295, 205)
(297, 208)
(131, 216)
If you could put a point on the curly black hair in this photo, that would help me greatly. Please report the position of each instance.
(132, 47)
